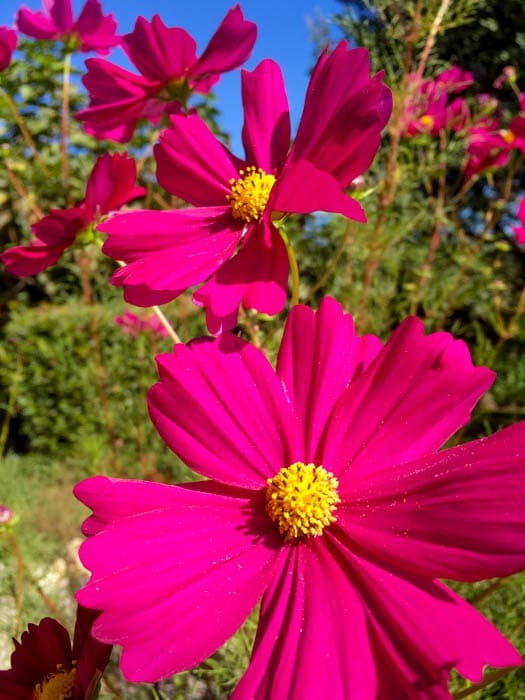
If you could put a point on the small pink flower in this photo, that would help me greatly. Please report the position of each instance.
(92, 31)
(489, 147)
(519, 231)
(6, 514)
(110, 185)
(132, 324)
(45, 665)
(327, 496)
(8, 42)
(229, 238)
(169, 72)
(428, 109)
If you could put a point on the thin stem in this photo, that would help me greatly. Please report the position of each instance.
(19, 583)
(23, 129)
(64, 137)
(438, 19)
(333, 263)
(99, 364)
(295, 272)
(489, 678)
(167, 325)
(21, 190)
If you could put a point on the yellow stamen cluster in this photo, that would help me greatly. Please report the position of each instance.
(57, 686)
(426, 121)
(250, 193)
(302, 499)
(508, 136)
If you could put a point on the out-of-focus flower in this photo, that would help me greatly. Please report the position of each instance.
(169, 73)
(326, 495)
(490, 147)
(92, 31)
(44, 665)
(519, 231)
(110, 185)
(132, 324)
(229, 238)
(8, 42)
(508, 75)
(6, 514)
(428, 110)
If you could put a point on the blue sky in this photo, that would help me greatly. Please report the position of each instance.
(283, 35)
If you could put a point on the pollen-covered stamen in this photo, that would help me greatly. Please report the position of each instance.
(57, 686)
(302, 499)
(508, 136)
(250, 193)
(427, 121)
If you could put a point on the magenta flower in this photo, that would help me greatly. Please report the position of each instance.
(45, 666)
(169, 72)
(326, 495)
(92, 31)
(110, 185)
(229, 238)
(519, 231)
(6, 515)
(131, 324)
(490, 147)
(8, 42)
(428, 109)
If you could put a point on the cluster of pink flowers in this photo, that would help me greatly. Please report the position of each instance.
(326, 495)
(490, 144)
(429, 108)
(110, 185)
(133, 325)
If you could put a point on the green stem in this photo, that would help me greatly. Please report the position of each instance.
(167, 325)
(25, 133)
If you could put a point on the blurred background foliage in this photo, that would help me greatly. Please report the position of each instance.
(73, 385)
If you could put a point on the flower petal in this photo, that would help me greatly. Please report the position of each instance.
(159, 52)
(312, 640)
(35, 24)
(96, 30)
(198, 562)
(229, 47)
(320, 355)
(168, 251)
(344, 113)
(111, 183)
(418, 391)
(302, 189)
(266, 130)
(257, 276)
(221, 408)
(420, 630)
(192, 164)
(458, 514)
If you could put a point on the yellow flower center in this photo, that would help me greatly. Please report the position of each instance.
(302, 499)
(426, 121)
(508, 136)
(250, 193)
(57, 686)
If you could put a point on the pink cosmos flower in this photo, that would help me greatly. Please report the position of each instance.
(519, 231)
(92, 31)
(131, 324)
(169, 72)
(110, 185)
(44, 665)
(326, 495)
(8, 42)
(489, 147)
(428, 109)
(229, 237)
(6, 515)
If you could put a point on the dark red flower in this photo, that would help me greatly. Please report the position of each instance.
(45, 666)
